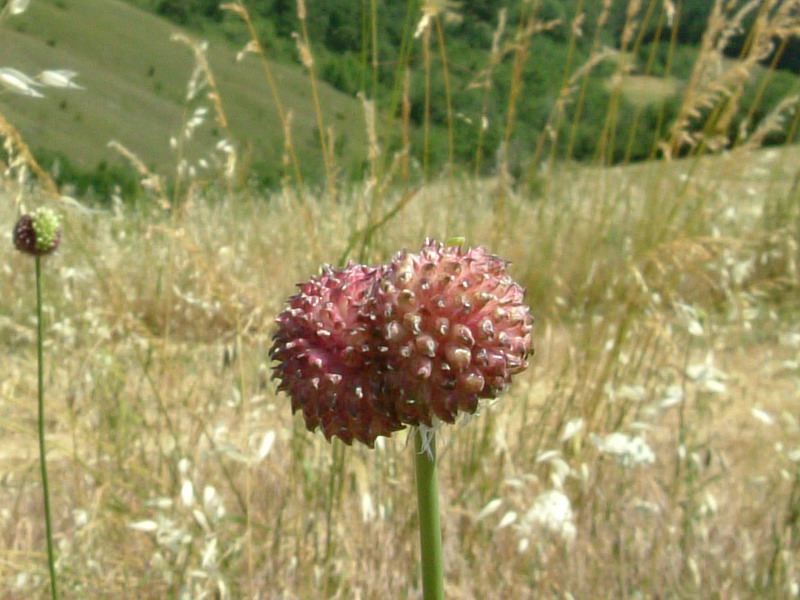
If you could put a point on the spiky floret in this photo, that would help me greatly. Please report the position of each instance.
(38, 233)
(453, 327)
(327, 361)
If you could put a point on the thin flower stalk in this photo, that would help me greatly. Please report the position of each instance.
(39, 234)
(51, 560)
(430, 530)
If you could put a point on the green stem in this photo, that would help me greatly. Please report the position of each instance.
(51, 562)
(430, 532)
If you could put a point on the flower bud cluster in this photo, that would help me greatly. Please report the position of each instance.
(38, 233)
(365, 351)
(326, 361)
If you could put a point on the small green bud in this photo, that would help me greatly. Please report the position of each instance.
(455, 241)
(38, 233)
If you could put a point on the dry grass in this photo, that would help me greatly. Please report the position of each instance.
(158, 330)
(665, 296)
(646, 89)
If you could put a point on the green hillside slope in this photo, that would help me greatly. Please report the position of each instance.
(135, 80)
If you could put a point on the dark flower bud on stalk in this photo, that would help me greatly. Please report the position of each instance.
(38, 233)
(327, 360)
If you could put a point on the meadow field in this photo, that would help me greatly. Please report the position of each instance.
(651, 449)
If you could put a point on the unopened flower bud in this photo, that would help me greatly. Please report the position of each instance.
(38, 233)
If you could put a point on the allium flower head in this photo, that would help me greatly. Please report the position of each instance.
(38, 233)
(327, 360)
(453, 327)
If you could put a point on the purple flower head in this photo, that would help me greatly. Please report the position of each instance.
(327, 361)
(454, 328)
(365, 351)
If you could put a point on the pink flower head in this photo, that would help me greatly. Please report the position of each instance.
(327, 361)
(453, 328)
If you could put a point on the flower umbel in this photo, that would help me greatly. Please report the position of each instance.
(38, 233)
(454, 328)
(327, 361)
(364, 351)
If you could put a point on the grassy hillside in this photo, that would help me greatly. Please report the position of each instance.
(135, 80)
(576, 104)
(552, 65)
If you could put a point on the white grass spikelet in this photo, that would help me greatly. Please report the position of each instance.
(17, 82)
(572, 428)
(673, 397)
(368, 512)
(508, 518)
(161, 503)
(147, 526)
(250, 48)
(17, 7)
(628, 450)
(762, 415)
(210, 558)
(491, 507)
(423, 24)
(59, 78)
(187, 493)
(266, 445)
(547, 456)
(707, 376)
